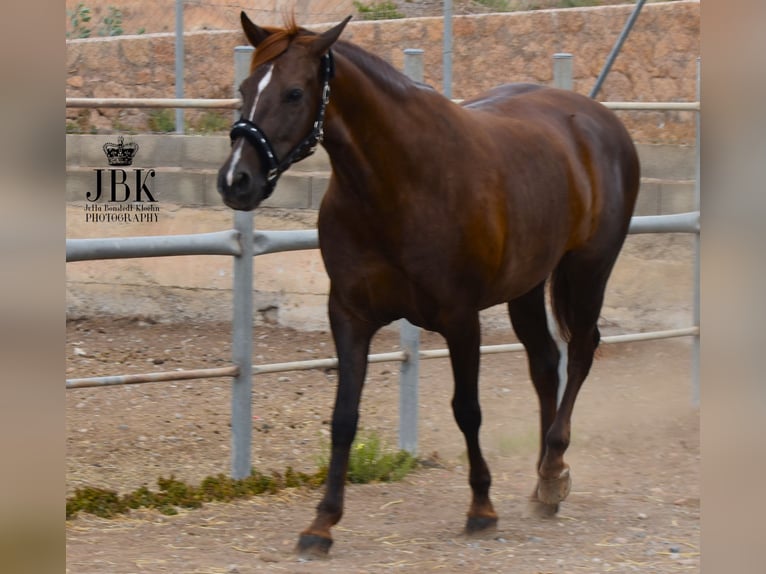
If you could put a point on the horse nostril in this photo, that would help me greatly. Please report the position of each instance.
(241, 179)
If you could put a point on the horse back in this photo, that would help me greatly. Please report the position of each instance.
(602, 164)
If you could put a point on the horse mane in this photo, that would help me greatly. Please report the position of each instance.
(383, 73)
(376, 68)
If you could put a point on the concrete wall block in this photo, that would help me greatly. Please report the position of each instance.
(648, 201)
(319, 184)
(293, 191)
(79, 183)
(73, 149)
(671, 162)
(677, 197)
(154, 151)
(204, 152)
(182, 187)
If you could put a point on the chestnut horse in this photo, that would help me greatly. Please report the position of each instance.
(434, 212)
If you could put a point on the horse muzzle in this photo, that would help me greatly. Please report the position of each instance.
(242, 189)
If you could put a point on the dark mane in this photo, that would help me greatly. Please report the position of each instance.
(384, 74)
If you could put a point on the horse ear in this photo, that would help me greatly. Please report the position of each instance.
(255, 34)
(327, 39)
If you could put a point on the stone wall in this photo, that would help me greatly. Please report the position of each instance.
(657, 63)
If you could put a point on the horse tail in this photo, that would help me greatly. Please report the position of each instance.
(559, 290)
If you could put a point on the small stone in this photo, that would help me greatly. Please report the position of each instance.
(269, 557)
(80, 352)
(158, 361)
(232, 569)
(641, 516)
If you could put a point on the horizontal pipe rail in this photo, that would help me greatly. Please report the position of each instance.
(200, 103)
(331, 363)
(152, 377)
(215, 243)
(278, 241)
(675, 223)
(227, 243)
(235, 104)
(654, 106)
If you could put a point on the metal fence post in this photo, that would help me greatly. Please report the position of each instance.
(242, 57)
(447, 50)
(409, 335)
(409, 340)
(616, 48)
(179, 63)
(413, 64)
(242, 348)
(696, 311)
(242, 321)
(562, 71)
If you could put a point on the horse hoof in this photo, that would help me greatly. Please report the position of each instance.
(476, 524)
(313, 546)
(551, 491)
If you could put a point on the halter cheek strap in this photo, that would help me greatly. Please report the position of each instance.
(271, 165)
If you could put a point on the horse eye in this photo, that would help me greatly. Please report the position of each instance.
(294, 95)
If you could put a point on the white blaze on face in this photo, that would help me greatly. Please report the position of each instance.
(237, 153)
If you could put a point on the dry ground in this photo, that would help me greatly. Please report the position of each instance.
(634, 456)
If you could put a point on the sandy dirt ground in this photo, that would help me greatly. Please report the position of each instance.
(635, 458)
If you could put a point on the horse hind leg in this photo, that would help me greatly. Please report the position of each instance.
(530, 323)
(577, 290)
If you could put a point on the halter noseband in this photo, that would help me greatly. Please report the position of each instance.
(271, 165)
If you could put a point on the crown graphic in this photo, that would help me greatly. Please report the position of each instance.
(120, 153)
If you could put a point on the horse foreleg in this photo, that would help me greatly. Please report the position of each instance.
(463, 339)
(352, 340)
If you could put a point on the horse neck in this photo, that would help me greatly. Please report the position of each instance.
(370, 107)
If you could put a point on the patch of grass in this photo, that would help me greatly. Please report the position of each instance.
(212, 122)
(383, 10)
(162, 121)
(173, 493)
(369, 462)
(496, 5)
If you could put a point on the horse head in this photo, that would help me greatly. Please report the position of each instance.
(283, 105)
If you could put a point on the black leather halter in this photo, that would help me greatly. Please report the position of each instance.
(270, 164)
